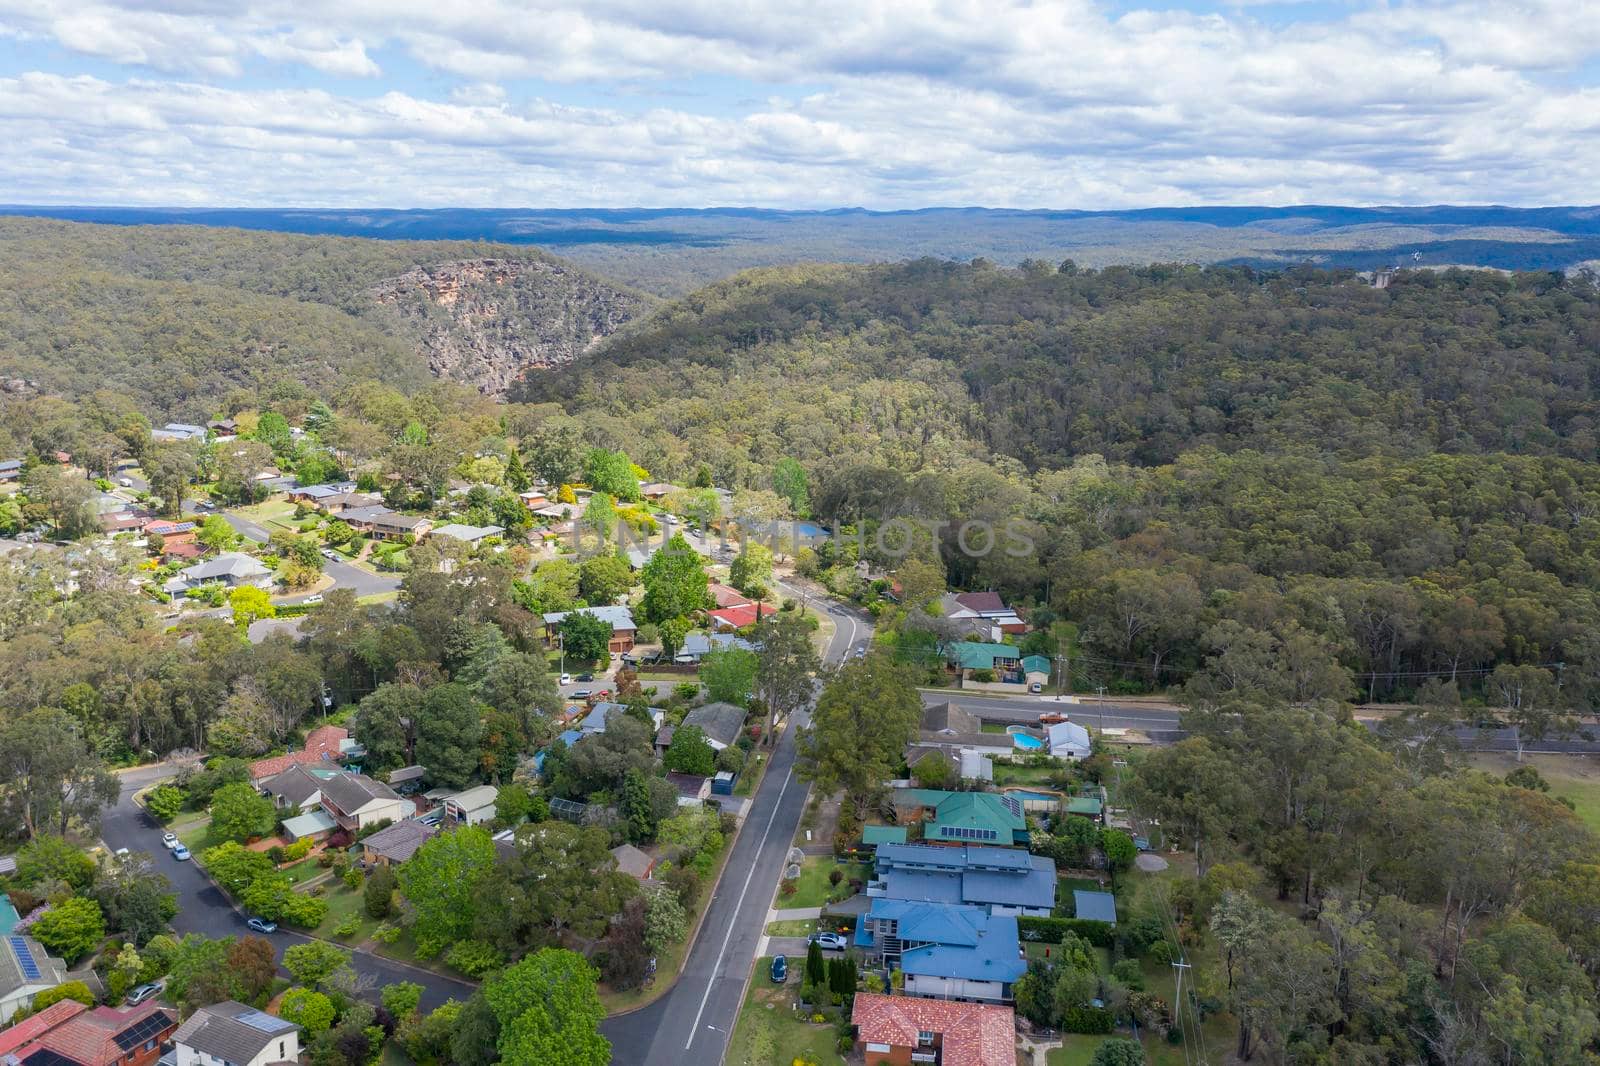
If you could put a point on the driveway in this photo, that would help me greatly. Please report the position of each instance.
(202, 908)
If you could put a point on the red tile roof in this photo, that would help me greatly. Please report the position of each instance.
(322, 744)
(739, 617)
(975, 1034)
(727, 596)
(182, 550)
(91, 1038)
(39, 1024)
(981, 601)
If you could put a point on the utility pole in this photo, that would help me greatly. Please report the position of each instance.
(1101, 708)
(1177, 1003)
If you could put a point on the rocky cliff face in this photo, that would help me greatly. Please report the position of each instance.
(487, 322)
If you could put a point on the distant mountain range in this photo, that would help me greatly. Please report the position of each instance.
(671, 251)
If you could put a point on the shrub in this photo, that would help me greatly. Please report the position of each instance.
(352, 878)
(348, 926)
(788, 888)
(298, 850)
(1163, 951)
(381, 883)
(474, 957)
(1051, 930)
(69, 990)
(164, 802)
(386, 933)
(1130, 974)
(835, 875)
(1091, 1020)
(277, 854)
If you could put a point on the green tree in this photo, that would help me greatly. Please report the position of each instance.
(604, 578)
(586, 636)
(1119, 849)
(73, 990)
(600, 516)
(555, 453)
(164, 802)
(50, 778)
(638, 818)
(729, 675)
(386, 723)
(560, 883)
(666, 920)
(690, 752)
(441, 883)
(611, 472)
(549, 1011)
(867, 713)
(307, 1008)
(517, 479)
(314, 963)
(71, 928)
(252, 967)
(789, 480)
(402, 998)
(215, 534)
(751, 570)
(250, 604)
(378, 891)
(239, 812)
(675, 582)
(1118, 1051)
(786, 661)
(448, 734)
(673, 632)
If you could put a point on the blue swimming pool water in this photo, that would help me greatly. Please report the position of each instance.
(808, 529)
(1025, 794)
(1025, 742)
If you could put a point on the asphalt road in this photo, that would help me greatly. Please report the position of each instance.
(202, 908)
(1026, 711)
(692, 1023)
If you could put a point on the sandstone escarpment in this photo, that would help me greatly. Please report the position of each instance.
(487, 322)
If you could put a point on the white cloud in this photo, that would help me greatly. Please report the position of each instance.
(883, 103)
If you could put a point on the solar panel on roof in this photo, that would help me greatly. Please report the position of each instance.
(256, 1019)
(30, 968)
(1014, 805)
(47, 1057)
(145, 1029)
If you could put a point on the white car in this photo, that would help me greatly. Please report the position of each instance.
(566, 679)
(169, 840)
(315, 597)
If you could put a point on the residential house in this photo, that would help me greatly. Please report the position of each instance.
(230, 569)
(633, 862)
(170, 532)
(874, 835)
(324, 744)
(10, 470)
(299, 786)
(720, 722)
(731, 618)
(1000, 880)
(984, 613)
(1090, 807)
(407, 779)
(348, 500)
(619, 618)
(355, 801)
(473, 535)
(693, 790)
(397, 843)
(534, 499)
(958, 734)
(945, 951)
(901, 1030)
(1004, 661)
(233, 1034)
(29, 1029)
(471, 807)
(316, 494)
(104, 1036)
(727, 595)
(1069, 740)
(315, 824)
(1036, 671)
(26, 969)
(1094, 906)
(223, 426)
(966, 817)
(655, 491)
(969, 764)
(380, 523)
(603, 714)
(698, 645)
(178, 431)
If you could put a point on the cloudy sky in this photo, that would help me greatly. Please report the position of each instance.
(779, 103)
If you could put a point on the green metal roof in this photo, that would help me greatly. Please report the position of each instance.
(1084, 805)
(971, 655)
(883, 834)
(975, 817)
(1036, 664)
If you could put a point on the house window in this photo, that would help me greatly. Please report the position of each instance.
(924, 1038)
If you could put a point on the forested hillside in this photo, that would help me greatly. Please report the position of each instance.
(1400, 483)
(176, 316)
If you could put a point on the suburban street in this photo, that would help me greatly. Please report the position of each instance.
(692, 1023)
(202, 908)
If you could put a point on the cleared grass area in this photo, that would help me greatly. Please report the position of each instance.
(1022, 775)
(343, 902)
(993, 727)
(769, 1033)
(1573, 777)
(279, 513)
(792, 927)
(812, 886)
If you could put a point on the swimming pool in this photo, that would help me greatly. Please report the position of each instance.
(1027, 795)
(1026, 743)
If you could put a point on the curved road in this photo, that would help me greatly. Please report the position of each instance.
(202, 908)
(692, 1023)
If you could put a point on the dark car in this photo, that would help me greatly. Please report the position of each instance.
(780, 969)
(585, 677)
(261, 925)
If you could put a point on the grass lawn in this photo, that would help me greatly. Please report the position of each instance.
(343, 902)
(769, 1033)
(754, 770)
(197, 836)
(1573, 777)
(792, 927)
(812, 887)
(993, 727)
(278, 513)
(303, 871)
(380, 597)
(1023, 775)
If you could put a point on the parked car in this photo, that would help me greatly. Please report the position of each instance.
(181, 853)
(585, 677)
(329, 553)
(315, 597)
(144, 992)
(1052, 718)
(566, 679)
(683, 659)
(602, 694)
(261, 925)
(1035, 687)
(169, 840)
(829, 941)
(125, 482)
(780, 969)
(582, 694)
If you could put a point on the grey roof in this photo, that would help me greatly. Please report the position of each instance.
(231, 1031)
(364, 514)
(977, 876)
(720, 722)
(619, 617)
(599, 718)
(465, 532)
(632, 861)
(950, 718)
(351, 792)
(401, 840)
(10, 464)
(295, 785)
(698, 644)
(8, 864)
(228, 564)
(406, 773)
(52, 971)
(1095, 906)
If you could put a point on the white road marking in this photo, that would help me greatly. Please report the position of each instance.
(737, 907)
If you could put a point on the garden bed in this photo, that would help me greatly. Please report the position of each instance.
(770, 1033)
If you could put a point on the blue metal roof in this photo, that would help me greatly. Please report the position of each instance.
(972, 875)
(959, 942)
(1095, 906)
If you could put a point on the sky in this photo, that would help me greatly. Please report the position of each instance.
(885, 104)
